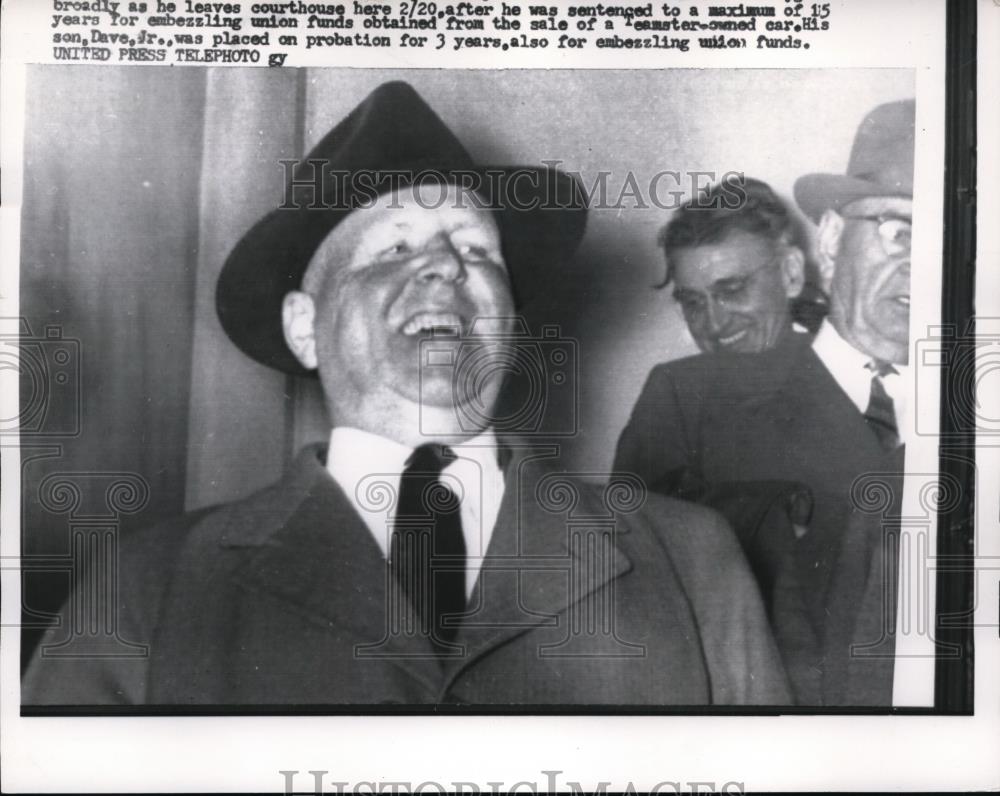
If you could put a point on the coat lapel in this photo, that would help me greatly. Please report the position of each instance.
(553, 547)
(820, 402)
(827, 440)
(313, 552)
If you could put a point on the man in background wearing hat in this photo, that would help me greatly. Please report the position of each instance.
(422, 557)
(739, 432)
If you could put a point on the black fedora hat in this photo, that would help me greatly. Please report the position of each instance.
(392, 140)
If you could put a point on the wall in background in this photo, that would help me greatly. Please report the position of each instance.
(138, 181)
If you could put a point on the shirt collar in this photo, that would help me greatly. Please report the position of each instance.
(366, 465)
(355, 454)
(849, 367)
(846, 364)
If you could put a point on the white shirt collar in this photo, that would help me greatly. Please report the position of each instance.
(368, 469)
(849, 367)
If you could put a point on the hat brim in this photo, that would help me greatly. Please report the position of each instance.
(540, 230)
(817, 193)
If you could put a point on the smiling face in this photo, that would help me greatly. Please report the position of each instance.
(734, 294)
(867, 250)
(385, 279)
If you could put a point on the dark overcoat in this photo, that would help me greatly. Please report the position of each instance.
(718, 424)
(285, 599)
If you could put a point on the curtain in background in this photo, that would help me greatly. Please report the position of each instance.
(240, 414)
(109, 234)
(136, 184)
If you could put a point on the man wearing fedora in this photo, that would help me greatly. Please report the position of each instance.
(747, 433)
(425, 555)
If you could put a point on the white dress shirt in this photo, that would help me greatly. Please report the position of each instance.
(369, 468)
(850, 369)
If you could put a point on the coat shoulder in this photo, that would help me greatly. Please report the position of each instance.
(160, 542)
(734, 374)
(695, 536)
(151, 554)
(247, 521)
(739, 651)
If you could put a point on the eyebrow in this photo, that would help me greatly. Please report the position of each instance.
(897, 215)
(731, 280)
(468, 224)
(735, 279)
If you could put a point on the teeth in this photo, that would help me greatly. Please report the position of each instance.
(903, 300)
(427, 321)
(733, 338)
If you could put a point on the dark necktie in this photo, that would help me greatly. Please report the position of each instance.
(881, 414)
(427, 555)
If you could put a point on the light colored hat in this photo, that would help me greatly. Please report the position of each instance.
(881, 163)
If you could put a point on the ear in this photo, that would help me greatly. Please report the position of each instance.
(793, 271)
(298, 313)
(831, 227)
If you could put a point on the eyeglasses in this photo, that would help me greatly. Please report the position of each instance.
(894, 232)
(730, 292)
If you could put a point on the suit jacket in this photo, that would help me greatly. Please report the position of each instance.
(776, 416)
(285, 599)
(859, 638)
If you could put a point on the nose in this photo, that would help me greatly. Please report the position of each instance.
(716, 316)
(442, 262)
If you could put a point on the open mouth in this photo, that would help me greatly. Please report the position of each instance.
(733, 338)
(430, 322)
(902, 300)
